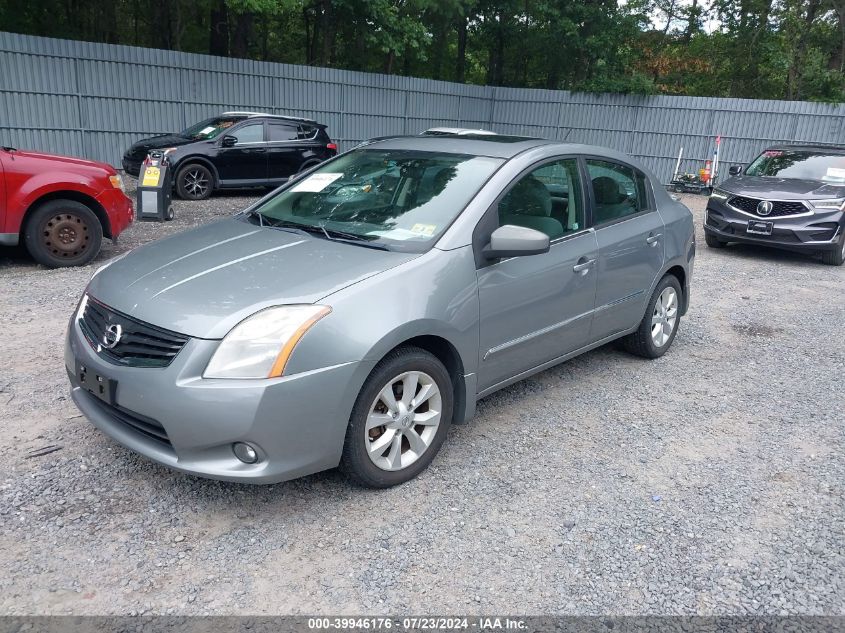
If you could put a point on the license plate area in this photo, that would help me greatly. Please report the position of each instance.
(760, 228)
(99, 386)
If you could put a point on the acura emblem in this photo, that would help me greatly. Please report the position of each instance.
(111, 336)
(764, 208)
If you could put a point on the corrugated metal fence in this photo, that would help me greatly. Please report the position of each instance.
(94, 100)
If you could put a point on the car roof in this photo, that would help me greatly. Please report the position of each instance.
(250, 115)
(835, 149)
(494, 146)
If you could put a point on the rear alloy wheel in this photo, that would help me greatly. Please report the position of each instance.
(194, 182)
(660, 324)
(63, 233)
(835, 257)
(400, 419)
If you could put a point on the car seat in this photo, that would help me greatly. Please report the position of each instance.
(529, 204)
(611, 203)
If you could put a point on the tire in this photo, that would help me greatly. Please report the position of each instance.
(362, 451)
(835, 257)
(194, 182)
(62, 233)
(713, 242)
(644, 342)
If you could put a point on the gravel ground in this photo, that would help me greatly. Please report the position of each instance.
(711, 481)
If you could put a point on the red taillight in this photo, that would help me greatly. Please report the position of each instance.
(332, 146)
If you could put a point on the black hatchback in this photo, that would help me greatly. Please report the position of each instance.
(790, 197)
(236, 149)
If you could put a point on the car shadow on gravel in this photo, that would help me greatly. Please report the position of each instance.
(15, 256)
(763, 253)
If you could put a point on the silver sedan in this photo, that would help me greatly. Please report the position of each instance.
(350, 317)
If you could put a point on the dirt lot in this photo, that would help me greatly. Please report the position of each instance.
(709, 481)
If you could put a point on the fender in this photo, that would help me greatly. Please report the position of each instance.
(419, 328)
(444, 342)
(677, 262)
(196, 158)
(35, 187)
(2, 188)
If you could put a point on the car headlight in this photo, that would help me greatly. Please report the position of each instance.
(719, 194)
(117, 182)
(835, 204)
(260, 345)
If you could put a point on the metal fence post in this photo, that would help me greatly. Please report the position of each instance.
(79, 108)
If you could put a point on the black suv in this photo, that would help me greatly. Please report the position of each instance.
(790, 197)
(236, 149)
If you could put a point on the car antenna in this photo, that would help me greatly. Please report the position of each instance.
(9, 149)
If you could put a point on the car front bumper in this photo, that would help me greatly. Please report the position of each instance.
(119, 210)
(297, 423)
(814, 231)
(132, 166)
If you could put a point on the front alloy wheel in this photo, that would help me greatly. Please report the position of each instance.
(194, 182)
(400, 419)
(403, 420)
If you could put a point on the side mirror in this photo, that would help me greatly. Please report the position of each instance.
(229, 141)
(515, 241)
(735, 170)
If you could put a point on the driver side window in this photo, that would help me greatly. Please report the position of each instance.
(547, 199)
(252, 133)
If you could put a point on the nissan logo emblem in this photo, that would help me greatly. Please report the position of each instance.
(111, 336)
(765, 207)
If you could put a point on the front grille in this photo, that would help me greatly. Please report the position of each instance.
(139, 344)
(779, 207)
(145, 426)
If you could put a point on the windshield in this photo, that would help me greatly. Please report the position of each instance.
(805, 164)
(396, 198)
(210, 128)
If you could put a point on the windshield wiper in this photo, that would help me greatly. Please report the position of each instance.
(351, 238)
(318, 229)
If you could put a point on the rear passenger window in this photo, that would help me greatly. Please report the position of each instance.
(307, 131)
(283, 132)
(547, 199)
(618, 190)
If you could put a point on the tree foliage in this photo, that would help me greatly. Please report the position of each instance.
(772, 49)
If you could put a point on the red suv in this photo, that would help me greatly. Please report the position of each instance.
(60, 207)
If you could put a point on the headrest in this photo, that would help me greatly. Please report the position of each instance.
(528, 197)
(607, 190)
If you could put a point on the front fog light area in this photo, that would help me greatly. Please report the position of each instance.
(244, 452)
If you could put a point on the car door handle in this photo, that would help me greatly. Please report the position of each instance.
(653, 239)
(583, 266)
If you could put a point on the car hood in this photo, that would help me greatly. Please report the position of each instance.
(783, 188)
(58, 159)
(143, 146)
(203, 282)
